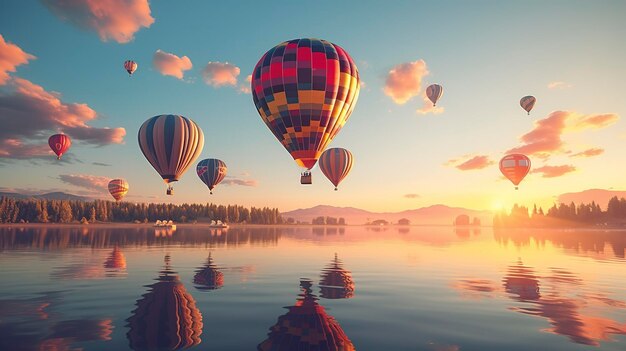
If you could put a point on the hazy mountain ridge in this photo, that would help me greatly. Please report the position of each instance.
(48, 196)
(435, 214)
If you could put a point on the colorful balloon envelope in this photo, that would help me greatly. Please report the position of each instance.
(515, 167)
(211, 171)
(59, 143)
(527, 103)
(118, 188)
(130, 66)
(434, 93)
(171, 144)
(305, 91)
(336, 163)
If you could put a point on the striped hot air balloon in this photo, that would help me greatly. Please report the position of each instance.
(336, 163)
(118, 188)
(171, 144)
(527, 103)
(59, 143)
(130, 67)
(211, 171)
(515, 167)
(305, 90)
(434, 93)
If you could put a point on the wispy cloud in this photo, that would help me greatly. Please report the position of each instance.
(558, 85)
(429, 107)
(219, 74)
(91, 182)
(554, 171)
(169, 64)
(100, 164)
(11, 56)
(404, 81)
(589, 153)
(230, 180)
(411, 196)
(245, 87)
(470, 162)
(116, 20)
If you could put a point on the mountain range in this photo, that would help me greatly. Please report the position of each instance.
(431, 215)
(48, 196)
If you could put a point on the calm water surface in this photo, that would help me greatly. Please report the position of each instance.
(274, 288)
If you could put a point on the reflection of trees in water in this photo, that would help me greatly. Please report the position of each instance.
(336, 282)
(102, 237)
(28, 324)
(306, 326)
(561, 297)
(579, 241)
(208, 277)
(166, 316)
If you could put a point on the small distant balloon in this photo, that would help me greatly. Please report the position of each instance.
(336, 163)
(434, 93)
(515, 167)
(130, 66)
(527, 103)
(211, 171)
(118, 188)
(59, 143)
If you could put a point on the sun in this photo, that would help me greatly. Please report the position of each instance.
(497, 205)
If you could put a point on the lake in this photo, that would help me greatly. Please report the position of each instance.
(311, 288)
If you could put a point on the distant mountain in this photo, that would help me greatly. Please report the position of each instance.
(600, 196)
(48, 196)
(435, 215)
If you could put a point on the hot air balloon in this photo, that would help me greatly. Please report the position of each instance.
(336, 163)
(59, 143)
(305, 91)
(211, 171)
(118, 188)
(515, 167)
(527, 103)
(130, 67)
(434, 93)
(171, 143)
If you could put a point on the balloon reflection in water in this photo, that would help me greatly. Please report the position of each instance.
(208, 277)
(522, 282)
(116, 260)
(166, 317)
(306, 326)
(336, 282)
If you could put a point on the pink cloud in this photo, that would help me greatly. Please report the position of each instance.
(554, 171)
(404, 81)
(91, 182)
(558, 85)
(429, 107)
(245, 88)
(219, 74)
(30, 114)
(116, 20)
(411, 196)
(545, 137)
(589, 153)
(238, 181)
(11, 56)
(171, 65)
(474, 162)
(596, 121)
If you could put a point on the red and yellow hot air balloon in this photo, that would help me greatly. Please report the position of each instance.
(515, 167)
(434, 93)
(59, 143)
(336, 163)
(305, 91)
(118, 188)
(527, 103)
(130, 67)
(171, 144)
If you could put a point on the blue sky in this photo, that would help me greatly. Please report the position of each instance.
(486, 54)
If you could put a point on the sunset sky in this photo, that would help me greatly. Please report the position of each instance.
(61, 69)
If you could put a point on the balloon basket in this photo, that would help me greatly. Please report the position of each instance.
(170, 191)
(306, 178)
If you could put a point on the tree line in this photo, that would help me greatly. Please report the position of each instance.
(67, 211)
(564, 214)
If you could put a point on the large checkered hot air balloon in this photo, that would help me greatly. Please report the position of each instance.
(527, 103)
(118, 188)
(59, 143)
(305, 91)
(211, 171)
(171, 144)
(336, 163)
(515, 167)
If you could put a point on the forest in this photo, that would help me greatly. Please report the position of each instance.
(70, 211)
(565, 215)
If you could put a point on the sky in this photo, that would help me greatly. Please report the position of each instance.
(61, 69)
